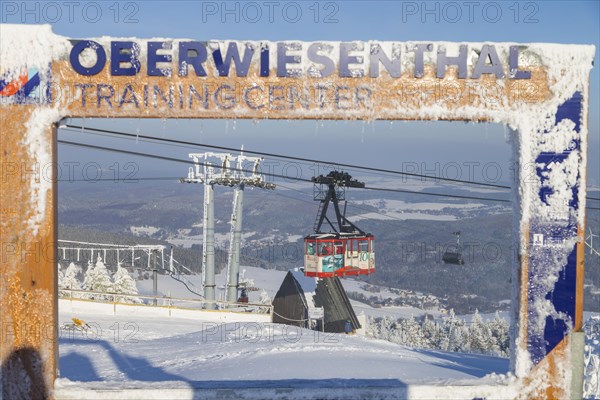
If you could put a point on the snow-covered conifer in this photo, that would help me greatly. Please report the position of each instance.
(123, 283)
(70, 281)
(97, 279)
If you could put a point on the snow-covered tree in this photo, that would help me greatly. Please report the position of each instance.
(97, 279)
(244, 281)
(499, 328)
(123, 283)
(480, 337)
(60, 274)
(89, 277)
(449, 334)
(371, 327)
(103, 282)
(431, 333)
(70, 281)
(412, 335)
(387, 329)
(264, 297)
(454, 333)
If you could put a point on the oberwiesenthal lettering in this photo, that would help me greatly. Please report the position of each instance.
(347, 60)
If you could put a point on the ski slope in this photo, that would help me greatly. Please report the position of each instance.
(140, 351)
(196, 354)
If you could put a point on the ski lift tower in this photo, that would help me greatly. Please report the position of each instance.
(240, 179)
(206, 172)
(210, 174)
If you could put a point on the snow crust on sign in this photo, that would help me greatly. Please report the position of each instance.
(39, 150)
(34, 46)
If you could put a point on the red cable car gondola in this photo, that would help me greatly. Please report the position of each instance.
(346, 250)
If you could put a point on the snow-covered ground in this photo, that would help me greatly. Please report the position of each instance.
(143, 230)
(127, 347)
(139, 347)
(123, 355)
(134, 351)
(403, 216)
(396, 209)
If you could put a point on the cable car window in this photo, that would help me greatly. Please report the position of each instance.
(339, 247)
(352, 248)
(325, 249)
(364, 246)
(310, 249)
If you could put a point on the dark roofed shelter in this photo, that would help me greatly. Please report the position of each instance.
(298, 293)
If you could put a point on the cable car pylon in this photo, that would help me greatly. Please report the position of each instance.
(213, 169)
(207, 172)
(345, 249)
(240, 180)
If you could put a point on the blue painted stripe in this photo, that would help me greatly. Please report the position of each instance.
(31, 84)
(562, 295)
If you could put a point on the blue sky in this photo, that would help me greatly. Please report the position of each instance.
(379, 144)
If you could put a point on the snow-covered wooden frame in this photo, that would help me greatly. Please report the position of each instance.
(539, 90)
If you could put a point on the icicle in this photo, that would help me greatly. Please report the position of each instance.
(362, 131)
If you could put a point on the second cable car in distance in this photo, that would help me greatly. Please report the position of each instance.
(346, 249)
(454, 257)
